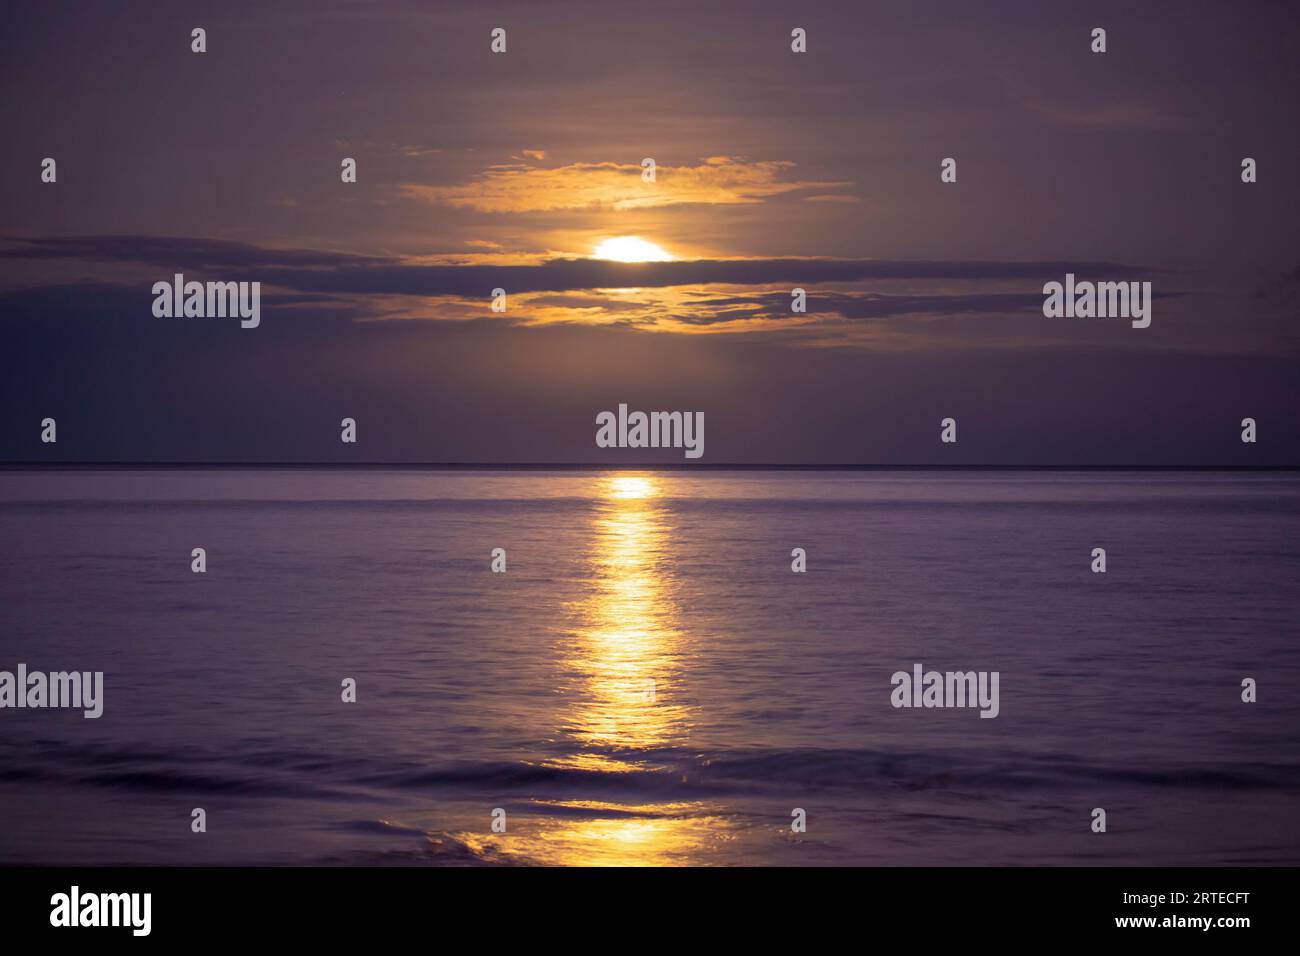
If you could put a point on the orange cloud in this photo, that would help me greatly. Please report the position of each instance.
(717, 180)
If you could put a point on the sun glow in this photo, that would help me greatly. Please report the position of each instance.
(630, 249)
(631, 486)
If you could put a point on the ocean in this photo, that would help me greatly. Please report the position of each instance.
(648, 682)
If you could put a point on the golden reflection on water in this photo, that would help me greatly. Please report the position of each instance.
(606, 834)
(624, 658)
(622, 670)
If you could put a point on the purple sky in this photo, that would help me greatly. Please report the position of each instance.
(774, 170)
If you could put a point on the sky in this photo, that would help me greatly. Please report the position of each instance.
(819, 170)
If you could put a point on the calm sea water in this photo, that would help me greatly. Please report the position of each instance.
(648, 683)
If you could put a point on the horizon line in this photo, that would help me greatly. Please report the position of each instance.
(586, 466)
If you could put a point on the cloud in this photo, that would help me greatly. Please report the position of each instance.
(561, 275)
(863, 305)
(309, 270)
(415, 151)
(693, 296)
(866, 306)
(176, 252)
(717, 180)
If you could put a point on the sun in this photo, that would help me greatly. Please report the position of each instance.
(630, 249)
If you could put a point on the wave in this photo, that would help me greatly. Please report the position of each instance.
(643, 774)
